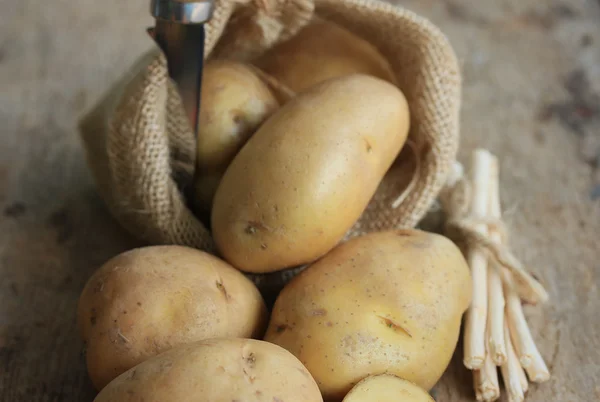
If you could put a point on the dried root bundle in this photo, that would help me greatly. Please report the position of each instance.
(496, 333)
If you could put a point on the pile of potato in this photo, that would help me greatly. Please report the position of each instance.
(375, 318)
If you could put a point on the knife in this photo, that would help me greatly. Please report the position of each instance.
(179, 31)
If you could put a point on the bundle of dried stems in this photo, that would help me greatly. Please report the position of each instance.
(496, 334)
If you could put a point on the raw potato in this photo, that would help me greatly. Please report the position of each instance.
(146, 301)
(387, 388)
(320, 51)
(308, 173)
(234, 102)
(388, 302)
(216, 370)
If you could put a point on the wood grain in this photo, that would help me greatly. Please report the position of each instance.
(531, 95)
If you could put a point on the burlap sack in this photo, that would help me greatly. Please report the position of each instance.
(141, 148)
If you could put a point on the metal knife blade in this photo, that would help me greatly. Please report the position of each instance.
(179, 31)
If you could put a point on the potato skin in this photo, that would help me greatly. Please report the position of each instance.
(234, 102)
(387, 388)
(320, 51)
(216, 370)
(145, 301)
(388, 302)
(308, 173)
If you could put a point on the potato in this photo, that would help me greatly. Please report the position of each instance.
(388, 302)
(216, 370)
(234, 102)
(320, 51)
(146, 301)
(308, 173)
(386, 388)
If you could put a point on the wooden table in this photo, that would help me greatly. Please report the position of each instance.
(531, 95)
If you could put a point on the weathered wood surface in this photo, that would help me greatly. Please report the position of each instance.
(531, 95)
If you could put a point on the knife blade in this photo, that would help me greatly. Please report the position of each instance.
(179, 31)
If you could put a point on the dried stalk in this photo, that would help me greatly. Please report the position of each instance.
(527, 351)
(521, 372)
(476, 317)
(486, 381)
(496, 302)
(512, 372)
(496, 342)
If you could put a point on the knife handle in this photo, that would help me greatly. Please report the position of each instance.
(182, 11)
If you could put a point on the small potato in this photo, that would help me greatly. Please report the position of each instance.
(388, 302)
(320, 51)
(234, 102)
(308, 173)
(216, 370)
(146, 301)
(387, 388)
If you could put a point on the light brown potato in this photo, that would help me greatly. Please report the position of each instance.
(320, 51)
(388, 302)
(146, 301)
(219, 370)
(308, 173)
(234, 102)
(387, 388)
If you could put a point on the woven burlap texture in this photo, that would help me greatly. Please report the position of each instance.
(141, 148)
